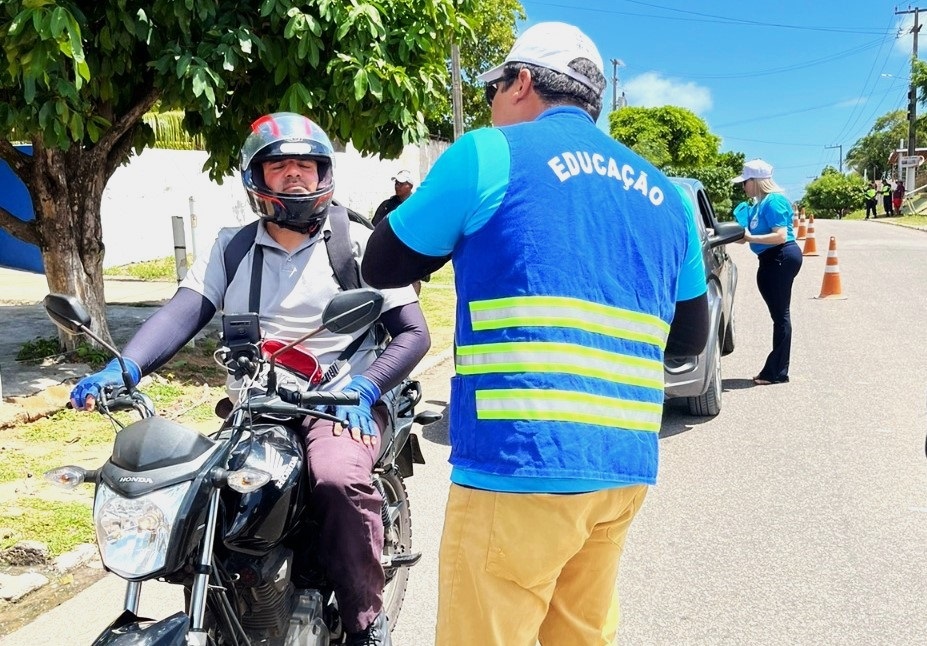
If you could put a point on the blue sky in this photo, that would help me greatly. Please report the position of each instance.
(777, 80)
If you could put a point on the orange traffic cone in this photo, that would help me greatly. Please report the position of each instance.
(831, 287)
(802, 230)
(811, 245)
(795, 222)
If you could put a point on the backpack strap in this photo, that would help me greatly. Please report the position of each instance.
(338, 245)
(236, 251)
(340, 257)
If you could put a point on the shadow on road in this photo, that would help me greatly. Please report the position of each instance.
(736, 384)
(437, 432)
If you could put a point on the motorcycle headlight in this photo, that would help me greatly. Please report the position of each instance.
(133, 533)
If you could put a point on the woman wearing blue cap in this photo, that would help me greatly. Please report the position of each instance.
(770, 234)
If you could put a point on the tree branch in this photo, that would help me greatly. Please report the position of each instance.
(25, 231)
(20, 162)
(125, 122)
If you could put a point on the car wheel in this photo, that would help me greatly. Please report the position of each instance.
(729, 336)
(709, 404)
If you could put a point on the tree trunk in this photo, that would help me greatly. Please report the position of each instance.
(67, 212)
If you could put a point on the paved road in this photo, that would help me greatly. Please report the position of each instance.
(797, 516)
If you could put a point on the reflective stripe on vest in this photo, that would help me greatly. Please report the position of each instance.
(555, 311)
(567, 358)
(567, 406)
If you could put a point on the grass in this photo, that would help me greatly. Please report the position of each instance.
(909, 220)
(438, 299)
(60, 525)
(158, 269)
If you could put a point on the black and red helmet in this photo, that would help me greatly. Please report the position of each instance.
(288, 135)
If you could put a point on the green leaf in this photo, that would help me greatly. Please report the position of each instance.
(376, 88)
(29, 89)
(199, 82)
(360, 84)
(59, 21)
(183, 63)
(267, 7)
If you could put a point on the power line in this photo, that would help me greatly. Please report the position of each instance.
(857, 110)
(743, 21)
(791, 68)
(709, 18)
(774, 143)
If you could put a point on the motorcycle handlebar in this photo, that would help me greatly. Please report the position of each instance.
(333, 398)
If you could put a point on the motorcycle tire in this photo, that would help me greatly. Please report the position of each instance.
(397, 539)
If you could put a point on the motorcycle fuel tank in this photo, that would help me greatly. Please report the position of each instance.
(256, 522)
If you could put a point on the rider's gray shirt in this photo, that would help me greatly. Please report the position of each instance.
(295, 287)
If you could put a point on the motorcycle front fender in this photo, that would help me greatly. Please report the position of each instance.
(129, 628)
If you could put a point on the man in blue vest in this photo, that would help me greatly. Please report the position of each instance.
(572, 256)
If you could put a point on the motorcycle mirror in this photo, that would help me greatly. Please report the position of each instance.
(67, 313)
(352, 310)
(345, 313)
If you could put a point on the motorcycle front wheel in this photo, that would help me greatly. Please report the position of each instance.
(397, 539)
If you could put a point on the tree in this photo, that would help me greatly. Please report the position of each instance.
(869, 155)
(79, 75)
(833, 194)
(665, 136)
(493, 32)
(678, 142)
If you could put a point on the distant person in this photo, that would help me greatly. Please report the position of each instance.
(898, 197)
(402, 186)
(772, 239)
(886, 191)
(870, 196)
(577, 267)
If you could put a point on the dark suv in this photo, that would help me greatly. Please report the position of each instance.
(698, 378)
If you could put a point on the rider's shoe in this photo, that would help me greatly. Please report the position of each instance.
(377, 634)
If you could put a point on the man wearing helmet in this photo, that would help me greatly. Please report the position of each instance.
(287, 169)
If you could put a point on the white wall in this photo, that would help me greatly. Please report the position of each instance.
(142, 197)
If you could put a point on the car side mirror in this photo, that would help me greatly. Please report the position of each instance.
(726, 232)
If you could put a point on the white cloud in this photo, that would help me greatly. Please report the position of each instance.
(849, 103)
(650, 90)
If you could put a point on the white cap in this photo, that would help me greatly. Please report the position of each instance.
(403, 177)
(754, 169)
(553, 45)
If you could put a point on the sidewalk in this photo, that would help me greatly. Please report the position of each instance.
(29, 390)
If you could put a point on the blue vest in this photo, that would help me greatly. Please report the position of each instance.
(564, 301)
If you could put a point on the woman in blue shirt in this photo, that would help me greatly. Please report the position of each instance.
(770, 234)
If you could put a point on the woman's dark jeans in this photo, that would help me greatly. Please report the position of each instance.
(778, 268)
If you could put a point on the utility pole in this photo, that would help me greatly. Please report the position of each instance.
(912, 100)
(840, 146)
(616, 63)
(456, 94)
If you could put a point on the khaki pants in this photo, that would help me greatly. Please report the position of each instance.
(520, 568)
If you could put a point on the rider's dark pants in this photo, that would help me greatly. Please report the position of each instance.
(778, 268)
(346, 505)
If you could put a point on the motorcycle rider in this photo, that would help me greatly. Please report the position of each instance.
(287, 168)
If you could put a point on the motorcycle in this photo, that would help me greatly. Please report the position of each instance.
(224, 515)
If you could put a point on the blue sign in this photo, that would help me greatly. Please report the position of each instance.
(15, 198)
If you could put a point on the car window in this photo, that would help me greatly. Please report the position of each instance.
(704, 207)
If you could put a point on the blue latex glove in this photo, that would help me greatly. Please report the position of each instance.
(87, 390)
(360, 418)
